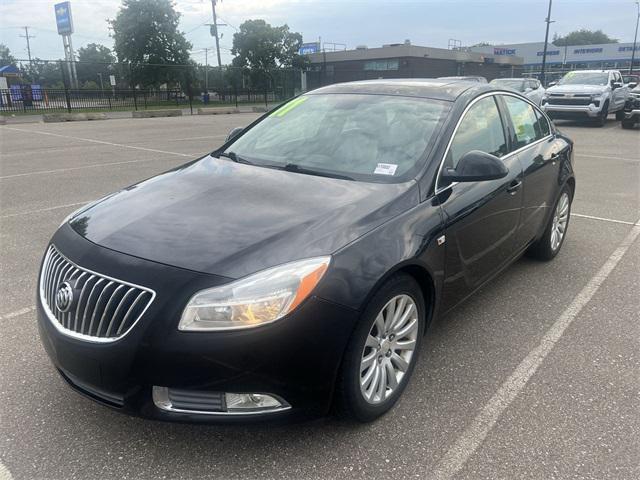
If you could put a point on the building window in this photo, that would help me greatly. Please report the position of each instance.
(381, 65)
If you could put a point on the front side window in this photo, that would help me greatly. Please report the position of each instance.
(480, 129)
(524, 121)
(378, 138)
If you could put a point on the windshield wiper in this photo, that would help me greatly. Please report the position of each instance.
(293, 167)
(234, 157)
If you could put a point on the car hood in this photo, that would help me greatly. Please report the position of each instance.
(224, 218)
(584, 89)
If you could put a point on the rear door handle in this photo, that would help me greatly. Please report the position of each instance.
(514, 186)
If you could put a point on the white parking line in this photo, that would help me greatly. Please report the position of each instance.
(608, 157)
(29, 212)
(58, 170)
(602, 219)
(466, 445)
(102, 142)
(5, 474)
(17, 313)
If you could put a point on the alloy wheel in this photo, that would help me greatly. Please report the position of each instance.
(389, 349)
(560, 220)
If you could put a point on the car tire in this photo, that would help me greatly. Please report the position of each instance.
(548, 246)
(620, 115)
(602, 118)
(351, 399)
(628, 123)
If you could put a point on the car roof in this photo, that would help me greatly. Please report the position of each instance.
(512, 78)
(437, 89)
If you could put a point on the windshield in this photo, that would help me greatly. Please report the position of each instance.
(584, 78)
(514, 84)
(375, 138)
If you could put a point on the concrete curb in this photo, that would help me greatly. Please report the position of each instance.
(3, 121)
(218, 110)
(72, 117)
(260, 109)
(156, 113)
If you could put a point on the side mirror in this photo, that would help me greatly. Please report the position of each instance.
(551, 84)
(476, 166)
(632, 85)
(615, 85)
(234, 133)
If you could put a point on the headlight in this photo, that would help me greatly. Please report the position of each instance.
(595, 97)
(261, 298)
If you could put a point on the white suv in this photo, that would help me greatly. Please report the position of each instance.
(586, 94)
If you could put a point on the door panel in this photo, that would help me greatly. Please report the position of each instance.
(538, 153)
(481, 218)
(481, 224)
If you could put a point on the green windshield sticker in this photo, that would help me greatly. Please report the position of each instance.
(281, 112)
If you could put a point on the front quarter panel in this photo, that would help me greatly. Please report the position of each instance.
(358, 269)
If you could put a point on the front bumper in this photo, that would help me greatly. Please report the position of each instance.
(296, 358)
(633, 114)
(572, 111)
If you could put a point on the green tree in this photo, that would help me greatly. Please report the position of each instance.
(259, 46)
(45, 73)
(5, 56)
(146, 35)
(94, 60)
(583, 37)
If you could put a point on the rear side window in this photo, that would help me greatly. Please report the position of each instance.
(525, 122)
(480, 129)
(543, 124)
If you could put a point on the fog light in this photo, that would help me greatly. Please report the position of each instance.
(250, 401)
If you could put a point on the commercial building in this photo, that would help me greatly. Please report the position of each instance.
(406, 61)
(562, 59)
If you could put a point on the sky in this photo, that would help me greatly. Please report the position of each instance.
(351, 22)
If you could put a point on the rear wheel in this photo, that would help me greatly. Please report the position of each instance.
(548, 246)
(382, 351)
(620, 115)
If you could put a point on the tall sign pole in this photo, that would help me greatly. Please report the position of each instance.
(546, 42)
(64, 22)
(635, 41)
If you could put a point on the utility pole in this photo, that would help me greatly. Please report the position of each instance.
(546, 42)
(206, 70)
(27, 36)
(635, 41)
(214, 30)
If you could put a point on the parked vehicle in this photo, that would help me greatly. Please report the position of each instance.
(469, 78)
(586, 94)
(632, 109)
(299, 265)
(631, 81)
(529, 87)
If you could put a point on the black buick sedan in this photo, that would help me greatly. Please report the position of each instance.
(297, 267)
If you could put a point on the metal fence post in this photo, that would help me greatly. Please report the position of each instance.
(133, 87)
(66, 88)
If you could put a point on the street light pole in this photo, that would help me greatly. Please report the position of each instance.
(635, 41)
(546, 42)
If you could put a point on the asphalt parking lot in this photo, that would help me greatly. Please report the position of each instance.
(537, 376)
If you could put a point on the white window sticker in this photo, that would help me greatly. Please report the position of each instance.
(386, 169)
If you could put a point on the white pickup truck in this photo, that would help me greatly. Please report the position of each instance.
(588, 95)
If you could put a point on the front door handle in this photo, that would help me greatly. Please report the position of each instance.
(514, 187)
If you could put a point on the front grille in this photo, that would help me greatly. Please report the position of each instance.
(569, 101)
(89, 305)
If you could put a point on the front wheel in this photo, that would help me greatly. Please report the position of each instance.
(602, 118)
(554, 234)
(382, 351)
(628, 123)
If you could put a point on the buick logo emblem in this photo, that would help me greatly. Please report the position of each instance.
(64, 297)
